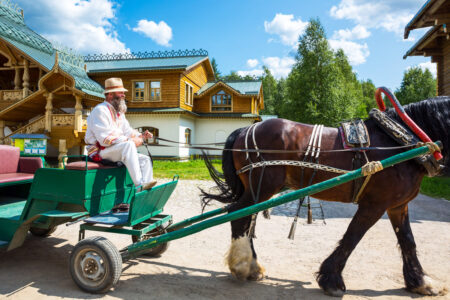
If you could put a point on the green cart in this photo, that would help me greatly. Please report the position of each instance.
(82, 191)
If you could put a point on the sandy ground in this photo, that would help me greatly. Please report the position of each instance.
(193, 268)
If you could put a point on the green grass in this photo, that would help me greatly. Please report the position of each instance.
(438, 187)
(192, 169)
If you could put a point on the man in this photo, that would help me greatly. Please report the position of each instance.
(109, 135)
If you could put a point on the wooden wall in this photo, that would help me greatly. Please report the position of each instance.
(444, 90)
(196, 77)
(170, 87)
(239, 104)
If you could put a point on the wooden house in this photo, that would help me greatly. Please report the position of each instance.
(171, 93)
(435, 43)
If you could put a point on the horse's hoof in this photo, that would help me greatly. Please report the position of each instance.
(256, 271)
(239, 258)
(334, 293)
(428, 289)
(240, 271)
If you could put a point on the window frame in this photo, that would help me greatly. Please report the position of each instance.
(220, 111)
(189, 100)
(147, 90)
(187, 136)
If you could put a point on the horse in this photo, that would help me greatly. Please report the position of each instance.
(389, 190)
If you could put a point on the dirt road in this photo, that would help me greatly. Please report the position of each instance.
(193, 267)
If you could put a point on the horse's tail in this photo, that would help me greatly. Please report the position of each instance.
(229, 185)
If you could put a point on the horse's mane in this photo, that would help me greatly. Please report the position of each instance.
(433, 117)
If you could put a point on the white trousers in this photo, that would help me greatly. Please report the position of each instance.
(139, 166)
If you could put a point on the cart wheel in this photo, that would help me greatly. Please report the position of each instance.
(155, 251)
(95, 264)
(42, 232)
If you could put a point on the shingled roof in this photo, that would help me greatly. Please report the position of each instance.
(145, 61)
(246, 88)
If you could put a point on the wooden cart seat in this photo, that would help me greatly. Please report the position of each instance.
(12, 177)
(81, 165)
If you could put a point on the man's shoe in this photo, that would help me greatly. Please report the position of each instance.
(149, 185)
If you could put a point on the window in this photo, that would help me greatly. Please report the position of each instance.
(189, 95)
(139, 90)
(155, 91)
(152, 130)
(187, 136)
(147, 90)
(221, 102)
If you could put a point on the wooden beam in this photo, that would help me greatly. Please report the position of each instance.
(432, 52)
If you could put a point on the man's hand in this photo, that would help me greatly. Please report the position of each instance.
(147, 135)
(137, 141)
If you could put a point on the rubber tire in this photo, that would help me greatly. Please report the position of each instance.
(112, 261)
(42, 232)
(155, 251)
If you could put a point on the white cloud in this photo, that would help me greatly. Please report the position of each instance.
(279, 67)
(86, 26)
(356, 53)
(255, 72)
(430, 66)
(392, 15)
(251, 63)
(161, 33)
(286, 27)
(358, 32)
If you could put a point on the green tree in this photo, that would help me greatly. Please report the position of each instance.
(321, 88)
(269, 90)
(368, 99)
(416, 85)
(233, 76)
(215, 69)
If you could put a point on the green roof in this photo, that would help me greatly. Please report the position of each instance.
(14, 31)
(142, 64)
(242, 87)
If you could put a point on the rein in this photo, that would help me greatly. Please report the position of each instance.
(275, 150)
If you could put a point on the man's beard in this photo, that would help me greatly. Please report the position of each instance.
(119, 105)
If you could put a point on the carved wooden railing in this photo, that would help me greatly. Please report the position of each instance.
(38, 125)
(11, 95)
(33, 127)
(63, 120)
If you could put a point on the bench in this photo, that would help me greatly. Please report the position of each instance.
(15, 169)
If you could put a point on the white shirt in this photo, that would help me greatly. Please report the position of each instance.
(107, 126)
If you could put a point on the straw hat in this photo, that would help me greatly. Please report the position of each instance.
(114, 85)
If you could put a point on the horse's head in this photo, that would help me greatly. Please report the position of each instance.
(433, 117)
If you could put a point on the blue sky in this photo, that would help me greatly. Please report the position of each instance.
(241, 35)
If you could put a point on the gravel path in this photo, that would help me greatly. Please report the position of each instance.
(192, 267)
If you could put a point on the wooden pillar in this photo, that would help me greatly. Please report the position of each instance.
(62, 152)
(48, 112)
(17, 79)
(26, 78)
(2, 130)
(78, 124)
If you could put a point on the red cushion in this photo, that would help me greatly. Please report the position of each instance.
(9, 159)
(11, 177)
(81, 165)
(29, 164)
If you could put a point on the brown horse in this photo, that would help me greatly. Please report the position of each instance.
(389, 190)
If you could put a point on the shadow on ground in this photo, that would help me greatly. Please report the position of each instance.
(422, 208)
